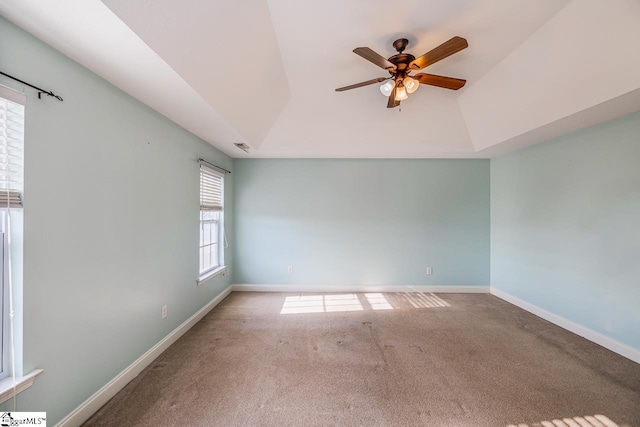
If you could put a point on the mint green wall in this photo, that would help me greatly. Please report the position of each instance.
(111, 226)
(362, 222)
(565, 227)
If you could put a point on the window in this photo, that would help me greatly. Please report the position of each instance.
(11, 167)
(211, 222)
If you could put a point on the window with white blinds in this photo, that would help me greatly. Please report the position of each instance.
(11, 149)
(211, 221)
(11, 167)
(211, 194)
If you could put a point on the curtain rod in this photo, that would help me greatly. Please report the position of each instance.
(215, 166)
(40, 91)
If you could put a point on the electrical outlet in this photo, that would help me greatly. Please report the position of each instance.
(290, 269)
(429, 271)
(164, 311)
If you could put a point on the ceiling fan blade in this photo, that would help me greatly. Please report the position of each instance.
(367, 83)
(392, 103)
(440, 81)
(448, 48)
(373, 57)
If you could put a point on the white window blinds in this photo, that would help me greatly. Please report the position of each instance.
(211, 194)
(11, 148)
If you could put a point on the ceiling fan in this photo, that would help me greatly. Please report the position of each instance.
(401, 83)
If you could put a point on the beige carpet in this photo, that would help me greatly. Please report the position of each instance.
(273, 359)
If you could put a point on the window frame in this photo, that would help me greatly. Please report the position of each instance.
(203, 245)
(10, 189)
(4, 307)
(220, 268)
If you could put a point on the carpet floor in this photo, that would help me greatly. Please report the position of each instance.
(378, 359)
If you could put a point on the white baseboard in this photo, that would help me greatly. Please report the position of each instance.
(360, 288)
(102, 396)
(598, 338)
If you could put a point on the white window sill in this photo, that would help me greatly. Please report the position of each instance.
(22, 383)
(211, 274)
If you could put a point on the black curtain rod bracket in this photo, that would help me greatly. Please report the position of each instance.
(215, 166)
(40, 90)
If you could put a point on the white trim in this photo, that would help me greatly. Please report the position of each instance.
(22, 383)
(211, 274)
(360, 288)
(598, 338)
(13, 95)
(90, 406)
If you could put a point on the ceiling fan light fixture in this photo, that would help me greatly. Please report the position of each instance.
(401, 93)
(387, 87)
(411, 84)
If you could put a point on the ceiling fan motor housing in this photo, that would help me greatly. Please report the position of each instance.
(401, 61)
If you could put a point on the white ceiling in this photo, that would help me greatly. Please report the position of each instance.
(263, 72)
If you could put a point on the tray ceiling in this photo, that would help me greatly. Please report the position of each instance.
(264, 72)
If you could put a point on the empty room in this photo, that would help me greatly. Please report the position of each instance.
(335, 213)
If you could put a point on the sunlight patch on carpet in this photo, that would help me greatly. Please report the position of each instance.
(321, 304)
(586, 421)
